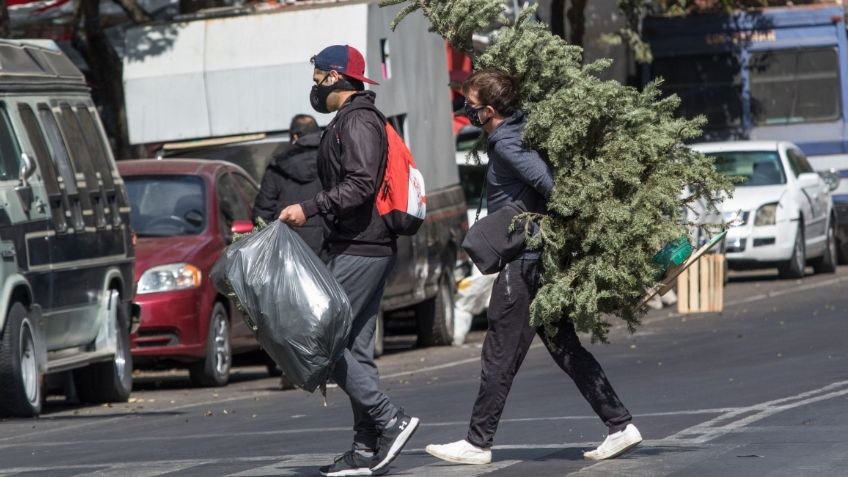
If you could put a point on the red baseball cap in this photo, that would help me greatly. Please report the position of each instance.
(345, 59)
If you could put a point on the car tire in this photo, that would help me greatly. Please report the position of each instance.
(21, 391)
(379, 335)
(214, 369)
(110, 381)
(435, 317)
(794, 267)
(842, 252)
(827, 262)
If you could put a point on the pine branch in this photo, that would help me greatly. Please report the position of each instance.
(618, 162)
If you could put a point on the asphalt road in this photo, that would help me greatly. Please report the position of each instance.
(759, 390)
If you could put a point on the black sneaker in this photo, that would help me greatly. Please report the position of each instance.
(393, 438)
(350, 463)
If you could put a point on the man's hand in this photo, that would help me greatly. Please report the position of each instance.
(293, 215)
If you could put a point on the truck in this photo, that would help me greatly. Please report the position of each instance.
(777, 73)
(224, 85)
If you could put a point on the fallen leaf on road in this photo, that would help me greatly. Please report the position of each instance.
(209, 414)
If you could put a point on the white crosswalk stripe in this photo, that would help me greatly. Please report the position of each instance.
(148, 470)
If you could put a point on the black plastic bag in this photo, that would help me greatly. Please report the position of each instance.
(300, 314)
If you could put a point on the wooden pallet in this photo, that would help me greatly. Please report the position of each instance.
(671, 275)
(700, 288)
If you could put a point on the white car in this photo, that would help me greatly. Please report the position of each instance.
(781, 213)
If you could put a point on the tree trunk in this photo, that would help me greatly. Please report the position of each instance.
(4, 20)
(105, 74)
(577, 21)
(558, 18)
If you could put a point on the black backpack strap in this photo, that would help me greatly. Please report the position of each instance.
(371, 107)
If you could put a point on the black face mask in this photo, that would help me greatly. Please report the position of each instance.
(474, 115)
(319, 94)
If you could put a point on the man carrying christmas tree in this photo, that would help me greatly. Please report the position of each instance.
(362, 250)
(516, 173)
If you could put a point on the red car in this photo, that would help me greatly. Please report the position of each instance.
(184, 213)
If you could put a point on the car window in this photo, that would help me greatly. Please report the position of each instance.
(166, 205)
(45, 166)
(794, 86)
(230, 205)
(59, 154)
(10, 150)
(246, 185)
(81, 157)
(754, 168)
(803, 164)
(101, 160)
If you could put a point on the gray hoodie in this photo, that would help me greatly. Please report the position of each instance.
(516, 171)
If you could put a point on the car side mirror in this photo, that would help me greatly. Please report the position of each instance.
(831, 178)
(27, 168)
(242, 227)
(808, 179)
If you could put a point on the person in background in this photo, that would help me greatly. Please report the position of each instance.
(292, 177)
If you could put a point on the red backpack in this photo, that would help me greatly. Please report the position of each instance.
(401, 199)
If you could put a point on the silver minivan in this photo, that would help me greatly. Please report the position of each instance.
(66, 268)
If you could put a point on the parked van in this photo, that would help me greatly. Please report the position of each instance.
(65, 242)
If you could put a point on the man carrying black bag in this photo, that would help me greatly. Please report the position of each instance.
(362, 251)
(517, 174)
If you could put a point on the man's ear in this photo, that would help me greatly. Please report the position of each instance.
(490, 111)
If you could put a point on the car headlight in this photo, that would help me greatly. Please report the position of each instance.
(766, 215)
(174, 276)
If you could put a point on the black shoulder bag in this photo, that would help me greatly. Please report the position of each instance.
(489, 242)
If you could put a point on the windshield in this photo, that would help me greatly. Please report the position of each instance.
(754, 168)
(706, 84)
(164, 206)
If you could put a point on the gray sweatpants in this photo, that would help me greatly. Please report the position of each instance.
(363, 279)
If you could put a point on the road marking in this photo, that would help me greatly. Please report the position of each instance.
(324, 430)
(732, 420)
(697, 437)
(148, 470)
(446, 469)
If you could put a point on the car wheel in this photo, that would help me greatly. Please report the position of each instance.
(214, 369)
(827, 262)
(794, 267)
(435, 317)
(21, 391)
(379, 335)
(110, 381)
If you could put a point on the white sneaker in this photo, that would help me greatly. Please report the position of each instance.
(460, 452)
(616, 444)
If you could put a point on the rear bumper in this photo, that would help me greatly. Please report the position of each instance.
(169, 327)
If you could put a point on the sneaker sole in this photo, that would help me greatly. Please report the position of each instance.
(617, 453)
(455, 460)
(350, 472)
(398, 444)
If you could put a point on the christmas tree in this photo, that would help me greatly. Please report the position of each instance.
(619, 161)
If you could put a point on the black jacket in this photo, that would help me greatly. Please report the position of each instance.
(350, 161)
(291, 177)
